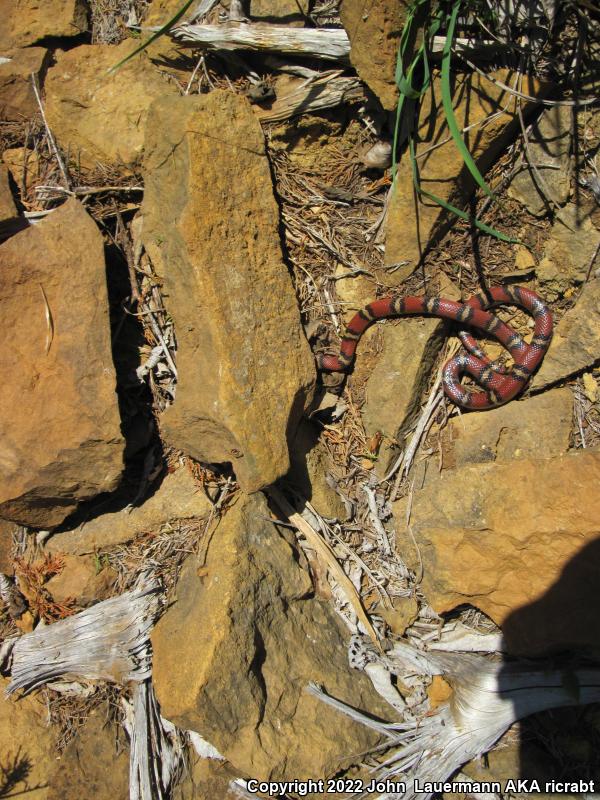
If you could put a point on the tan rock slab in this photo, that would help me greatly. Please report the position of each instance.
(280, 12)
(576, 341)
(60, 438)
(310, 463)
(8, 210)
(571, 246)
(83, 579)
(6, 538)
(99, 117)
(211, 229)
(164, 51)
(17, 98)
(27, 22)
(27, 745)
(178, 497)
(520, 541)
(233, 655)
(413, 226)
(24, 167)
(396, 384)
(91, 765)
(549, 146)
(374, 30)
(538, 427)
(207, 779)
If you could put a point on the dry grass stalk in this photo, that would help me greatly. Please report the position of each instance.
(69, 711)
(57, 155)
(325, 551)
(163, 552)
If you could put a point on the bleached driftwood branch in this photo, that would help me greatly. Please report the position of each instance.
(109, 641)
(330, 44)
(487, 698)
(157, 746)
(321, 91)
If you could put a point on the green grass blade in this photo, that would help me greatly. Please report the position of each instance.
(447, 104)
(165, 28)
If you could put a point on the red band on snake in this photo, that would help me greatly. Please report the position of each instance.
(498, 385)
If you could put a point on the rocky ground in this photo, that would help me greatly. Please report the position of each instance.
(179, 238)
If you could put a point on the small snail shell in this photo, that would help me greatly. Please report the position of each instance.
(379, 156)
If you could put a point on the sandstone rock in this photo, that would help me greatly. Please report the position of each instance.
(26, 22)
(576, 341)
(523, 259)
(164, 50)
(83, 579)
(91, 765)
(403, 613)
(6, 536)
(281, 12)
(31, 765)
(23, 165)
(26, 747)
(207, 780)
(233, 655)
(353, 293)
(520, 541)
(309, 466)
(374, 31)
(17, 98)
(396, 384)
(8, 211)
(177, 497)
(210, 227)
(99, 117)
(535, 428)
(549, 150)
(410, 230)
(568, 253)
(60, 432)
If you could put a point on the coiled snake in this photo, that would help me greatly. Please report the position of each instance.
(499, 385)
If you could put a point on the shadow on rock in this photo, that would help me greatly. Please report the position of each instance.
(564, 623)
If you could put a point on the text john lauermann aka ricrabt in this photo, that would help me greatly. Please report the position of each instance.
(302, 788)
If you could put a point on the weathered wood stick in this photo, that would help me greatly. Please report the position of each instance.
(331, 44)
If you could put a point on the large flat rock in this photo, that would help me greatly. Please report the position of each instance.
(518, 540)
(374, 30)
(211, 229)
(27, 22)
(177, 498)
(569, 251)
(395, 387)
(17, 98)
(234, 653)
(537, 427)
(60, 438)
(576, 341)
(99, 117)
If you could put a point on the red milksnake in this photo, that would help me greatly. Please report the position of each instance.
(499, 385)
